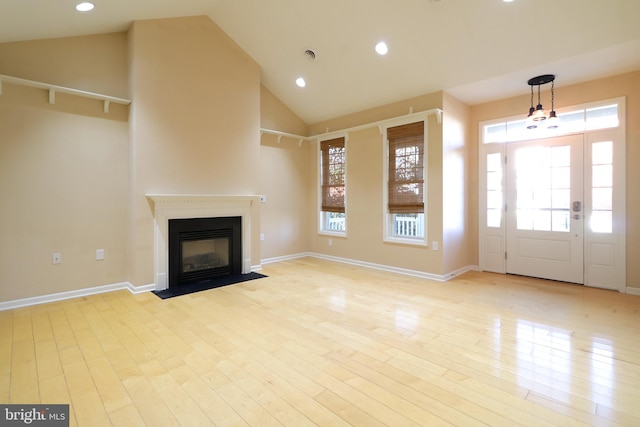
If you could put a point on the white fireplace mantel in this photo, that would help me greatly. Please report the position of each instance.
(179, 206)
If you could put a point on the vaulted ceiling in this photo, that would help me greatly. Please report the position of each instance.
(478, 50)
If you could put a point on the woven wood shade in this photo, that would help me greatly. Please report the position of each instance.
(406, 168)
(333, 175)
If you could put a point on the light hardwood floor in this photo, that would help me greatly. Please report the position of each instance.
(323, 343)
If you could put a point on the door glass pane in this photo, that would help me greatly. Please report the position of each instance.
(561, 156)
(602, 199)
(560, 199)
(494, 190)
(561, 177)
(494, 180)
(543, 182)
(603, 175)
(524, 219)
(494, 199)
(542, 198)
(542, 220)
(602, 153)
(560, 220)
(602, 187)
(494, 216)
(601, 221)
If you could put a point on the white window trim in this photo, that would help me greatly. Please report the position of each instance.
(386, 232)
(321, 230)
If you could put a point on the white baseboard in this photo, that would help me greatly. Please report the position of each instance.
(631, 290)
(25, 302)
(135, 290)
(389, 268)
(285, 258)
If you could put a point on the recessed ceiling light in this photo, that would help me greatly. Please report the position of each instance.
(300, 82)
(382, 48)
(84, 7)
(507, 1)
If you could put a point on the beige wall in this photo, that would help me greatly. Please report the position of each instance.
(627, 85)
(63, 167)
(365, 210)
(286, 217)
(194, 124)
(284, 178)
(96, 63)
(459, 215)
(275, 115)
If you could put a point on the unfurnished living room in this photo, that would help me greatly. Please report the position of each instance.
(339, 212)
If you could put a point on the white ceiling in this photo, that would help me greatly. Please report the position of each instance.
(478, 50)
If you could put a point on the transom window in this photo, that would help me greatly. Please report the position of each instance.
(571, 121)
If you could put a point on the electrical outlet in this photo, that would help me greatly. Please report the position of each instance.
(99, 254)
(263, 199)
(330, 242)
(56, 258)
(262, 237)
(434, 245)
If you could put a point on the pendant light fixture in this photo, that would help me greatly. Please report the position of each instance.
(537, 115)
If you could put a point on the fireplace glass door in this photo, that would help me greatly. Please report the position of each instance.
(205, 254)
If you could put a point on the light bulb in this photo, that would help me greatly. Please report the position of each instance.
(382, 48)
(84, 7)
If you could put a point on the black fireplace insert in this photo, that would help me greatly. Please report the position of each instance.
(202, 249)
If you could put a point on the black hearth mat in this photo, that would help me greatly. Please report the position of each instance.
(207, 284)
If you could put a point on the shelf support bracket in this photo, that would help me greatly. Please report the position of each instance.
(52, 96)
(106, 106)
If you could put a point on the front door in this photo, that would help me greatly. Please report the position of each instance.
(545, 208)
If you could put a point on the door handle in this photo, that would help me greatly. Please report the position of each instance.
(575, 216)
(577, 207)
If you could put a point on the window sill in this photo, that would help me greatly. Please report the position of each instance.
(407, 241)
(332, 233)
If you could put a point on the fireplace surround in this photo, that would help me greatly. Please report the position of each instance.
(182, 206)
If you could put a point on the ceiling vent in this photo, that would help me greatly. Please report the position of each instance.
(310, 55)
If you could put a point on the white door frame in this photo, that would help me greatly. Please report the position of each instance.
(604, 253)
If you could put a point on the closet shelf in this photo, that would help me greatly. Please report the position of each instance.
(106, 99)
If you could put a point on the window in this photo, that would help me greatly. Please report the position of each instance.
(602, 187)
(406, 183)
(332, 170)
(571, 121)
(494, 190)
